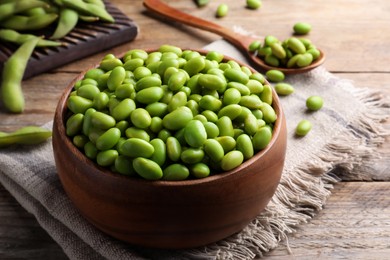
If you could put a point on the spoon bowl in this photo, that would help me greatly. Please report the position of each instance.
(240, 41)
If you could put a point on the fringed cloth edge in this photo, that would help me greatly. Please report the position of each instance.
(303, 191)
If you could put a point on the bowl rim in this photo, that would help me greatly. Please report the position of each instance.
(61, 111)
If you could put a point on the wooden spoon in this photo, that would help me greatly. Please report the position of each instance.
(239, 40)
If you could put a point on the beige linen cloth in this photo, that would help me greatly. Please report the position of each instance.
(345, 134)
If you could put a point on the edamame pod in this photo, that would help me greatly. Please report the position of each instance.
(13, 70)
(28, 135)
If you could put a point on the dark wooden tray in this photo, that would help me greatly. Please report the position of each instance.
(84, 40)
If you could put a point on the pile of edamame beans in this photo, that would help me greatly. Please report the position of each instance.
(171, 114)
(293, 52)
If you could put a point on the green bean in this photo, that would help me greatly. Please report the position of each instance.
(90, 9)
(67, 21)
(28, 135)
(20, 23)
(18, 38)
(13, 70)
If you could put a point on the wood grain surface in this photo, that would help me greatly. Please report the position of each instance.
(354, 34)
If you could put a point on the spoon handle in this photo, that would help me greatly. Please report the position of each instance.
(160, 8)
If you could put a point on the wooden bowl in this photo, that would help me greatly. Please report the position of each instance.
(168, 214)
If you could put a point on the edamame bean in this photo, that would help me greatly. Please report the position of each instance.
(192, 155)
(102, 120)
(176, 172)
(232, 160)
(284, 89)
(134, 132)
(301, 28)
(314, 103)
(236, 75)
(149, 95)
(232, 111)
(147, 168)
(212, 129)
(303, 127)
(136, 147)
(107, 157)
(78, 104)
(74, 124)
(222, 10)
(178, 118)
(108, 139)
(211, 82)
(160, 152)
(225, 126)
(253, 4)
(173, 148)
(141, 118)
(262, 138)
(244, 145)
(199, 170)
(195, 65)
(275, 75)
(195, 133)
(124, 165)
(214, 149)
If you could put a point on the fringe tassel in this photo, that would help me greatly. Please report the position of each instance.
(303, 192)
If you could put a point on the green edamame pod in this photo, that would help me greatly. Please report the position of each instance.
(13, 7)
(20, 22)
(18, 38)
(90, 9)
(28, 135)
(14, 67)
(67, 21)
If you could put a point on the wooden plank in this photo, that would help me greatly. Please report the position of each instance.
(354, 224)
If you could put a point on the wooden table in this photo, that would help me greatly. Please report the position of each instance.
(355, 35)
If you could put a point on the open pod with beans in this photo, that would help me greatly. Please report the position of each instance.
(170, 114)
